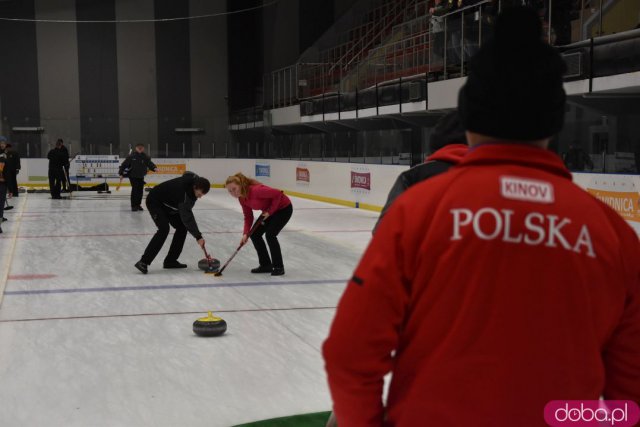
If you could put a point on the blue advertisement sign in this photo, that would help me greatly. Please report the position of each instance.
(263, 170)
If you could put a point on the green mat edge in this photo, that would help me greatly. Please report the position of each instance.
(316, 419)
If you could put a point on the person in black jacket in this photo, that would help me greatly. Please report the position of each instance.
(12, 166)
(576, 159)
(448, 144)
(3, 186)
(66, 184)
(171, 203)
(135, 166)
(57, 161)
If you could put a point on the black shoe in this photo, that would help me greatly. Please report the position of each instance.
(262, 269)
(0, 230)
(4, 219)
(134, 209)
(142, 267)
(57, 198)
(278, 271)
(140, 208)
(174, 264)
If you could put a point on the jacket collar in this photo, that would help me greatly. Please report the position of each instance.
(452, 153)
(516, 154)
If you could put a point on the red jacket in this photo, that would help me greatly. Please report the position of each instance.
(500, 286)
(262, 198)
(451, 153)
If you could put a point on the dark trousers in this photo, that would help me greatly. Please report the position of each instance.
(65, 180)
(163, 219)
(56, 176)
(271, 227)
(3, 199)
(13, 184)
(137, 189)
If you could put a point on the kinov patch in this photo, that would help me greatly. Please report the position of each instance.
(527, 190)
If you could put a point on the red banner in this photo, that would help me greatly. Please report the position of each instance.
(303, 175)
(361, 180)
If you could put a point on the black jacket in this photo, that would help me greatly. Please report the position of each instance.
(437, 163)
(136, 165)
(177, 197)
(13, 160)
(4, 173)
(58, 158)
(409, 178)
(65, 153)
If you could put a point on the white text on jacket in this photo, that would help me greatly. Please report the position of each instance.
(537, 229)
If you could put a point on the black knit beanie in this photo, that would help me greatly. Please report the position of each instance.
(515, 89)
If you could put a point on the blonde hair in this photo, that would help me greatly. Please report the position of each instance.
(242, 181)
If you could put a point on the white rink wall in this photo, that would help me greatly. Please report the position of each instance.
(352, 184)
(344, 183)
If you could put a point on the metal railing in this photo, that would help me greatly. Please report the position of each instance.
(440, 46)
(367, 41)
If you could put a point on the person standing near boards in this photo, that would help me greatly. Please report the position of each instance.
(58, 158)
(276, 209)
(137, 164)
(12, 167)
(66, 182)
(3, 185)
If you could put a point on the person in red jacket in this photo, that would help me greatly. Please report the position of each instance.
(499, 286)
(276, 209)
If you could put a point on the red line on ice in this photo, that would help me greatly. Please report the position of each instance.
(32, 276)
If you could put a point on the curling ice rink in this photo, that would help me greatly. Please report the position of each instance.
(87, 340)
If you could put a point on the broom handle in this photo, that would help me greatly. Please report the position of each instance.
(253, 229)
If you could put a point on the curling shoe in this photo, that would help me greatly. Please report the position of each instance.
(174, 264)
(142, 267)
(262, 269)
(278, 271)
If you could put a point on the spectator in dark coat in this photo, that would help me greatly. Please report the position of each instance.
(14, 166)
(135, 167)
(576, 158)
(58, 158)
(448, 145)
(3, 186)
(66, 184)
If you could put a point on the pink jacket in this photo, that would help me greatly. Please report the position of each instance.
(262, 198)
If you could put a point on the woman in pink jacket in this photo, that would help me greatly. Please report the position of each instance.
(276, 209)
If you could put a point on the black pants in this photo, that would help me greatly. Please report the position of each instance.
(163, 217)
(3, 199)
(56, 176)
(65, 180)
(137, 189)
(13, 184)
(271, 227)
